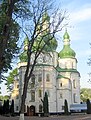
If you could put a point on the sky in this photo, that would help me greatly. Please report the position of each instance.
(79, 29)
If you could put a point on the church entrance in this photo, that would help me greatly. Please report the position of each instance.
(31, 110)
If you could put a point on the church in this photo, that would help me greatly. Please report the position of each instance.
(54, 73)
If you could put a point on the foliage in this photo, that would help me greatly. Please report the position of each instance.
(10, 13)
(66, 112)
(88, 107)
(7, 107)
(9, 35)
(45, 105)
(85, 94)
(10, 78)
(2, 98)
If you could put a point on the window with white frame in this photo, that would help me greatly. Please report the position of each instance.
(32, 95)
(61, 84)
(74, 97)
(39, 77)
(61, 95)
(74, 83)
(47, 77)
(40, 93)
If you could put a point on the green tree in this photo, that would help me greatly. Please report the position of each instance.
(11, 11)
(66, 112)
(12, 108)
(7, 107)
(10, 79)
(4, 107)
(88, 107)
(45, 105)
(85, 93)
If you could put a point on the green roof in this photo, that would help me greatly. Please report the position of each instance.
(67, 52)
(66, 35)
(60, 76)
(65, 70)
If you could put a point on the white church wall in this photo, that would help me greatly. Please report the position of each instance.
(68, 63)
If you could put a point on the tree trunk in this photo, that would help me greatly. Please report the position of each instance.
(21, 116)
(23, 98)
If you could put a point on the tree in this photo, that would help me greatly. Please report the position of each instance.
(45, 105)
(4, 107)
(10, 12)
(40, 38)
(7, 107)
(10, 79)
(85, 94)
(66, 112)
(12, 108)
(88, 107)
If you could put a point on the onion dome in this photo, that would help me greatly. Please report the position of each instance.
(66, 35)
(67, 52)
(45, 17)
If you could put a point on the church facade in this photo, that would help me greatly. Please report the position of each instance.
(54, 73)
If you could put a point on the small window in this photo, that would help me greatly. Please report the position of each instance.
(32, 81)
(61, 96)
(62, 107)
(40, 77)
(17, 97)
(47, 77)
(60, 84)
(40, 108)
(32, 95)
(17, 86)
(74, 83)
(40, 93)
(17, 108)
(74, 97)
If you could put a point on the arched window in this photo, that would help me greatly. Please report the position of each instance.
(74, 83)
(40, 93)
(60, 84)
(40, 108)
(47, 77)
(32, 80)
(39, 77)
(32, 95)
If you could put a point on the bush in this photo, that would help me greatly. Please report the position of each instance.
(66, 112)
(88, 107)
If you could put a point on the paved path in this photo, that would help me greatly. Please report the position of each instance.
(71, 117)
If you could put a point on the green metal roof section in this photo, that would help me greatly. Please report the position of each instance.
(65, 70)
(67, 52)
(61, 76)
(43, 65)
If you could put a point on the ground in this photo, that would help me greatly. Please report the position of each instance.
(70, 117)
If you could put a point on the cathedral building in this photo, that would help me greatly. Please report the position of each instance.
(54, 73)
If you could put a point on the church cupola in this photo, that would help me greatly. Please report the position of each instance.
(66, 52)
